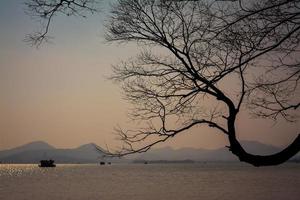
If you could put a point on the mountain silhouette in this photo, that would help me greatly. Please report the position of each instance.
(36, 151)
(38, 145)
(220, 154)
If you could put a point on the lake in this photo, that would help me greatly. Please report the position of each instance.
(152, 181)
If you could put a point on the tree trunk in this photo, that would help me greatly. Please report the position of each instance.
(258, 160)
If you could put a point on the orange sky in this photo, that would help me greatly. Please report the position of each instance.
(60, 93)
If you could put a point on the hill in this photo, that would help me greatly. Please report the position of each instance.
(87, 153)
(36, 151)
(221, 154)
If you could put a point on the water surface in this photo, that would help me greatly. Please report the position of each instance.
(153, 181)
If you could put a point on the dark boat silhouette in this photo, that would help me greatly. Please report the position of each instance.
(47, 163)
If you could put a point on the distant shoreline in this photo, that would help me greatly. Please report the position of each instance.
(142, 162)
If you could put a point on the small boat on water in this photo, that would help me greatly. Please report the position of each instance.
(47, 163)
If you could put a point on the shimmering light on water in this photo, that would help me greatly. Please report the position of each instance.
(176, 182)
(16, 170)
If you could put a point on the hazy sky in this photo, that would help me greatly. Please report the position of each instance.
(60, 94)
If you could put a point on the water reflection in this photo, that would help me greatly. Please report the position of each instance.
(147, 182)
(17, 170)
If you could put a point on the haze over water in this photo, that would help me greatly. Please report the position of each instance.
(161, 181)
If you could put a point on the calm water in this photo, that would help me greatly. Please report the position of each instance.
(139, 182)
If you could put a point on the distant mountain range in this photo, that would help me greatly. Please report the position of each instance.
(205, 155)
(36, 151)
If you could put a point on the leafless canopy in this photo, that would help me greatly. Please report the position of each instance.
(203, 61)
(46, 10)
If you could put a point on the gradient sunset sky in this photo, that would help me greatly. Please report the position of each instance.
(60, 93)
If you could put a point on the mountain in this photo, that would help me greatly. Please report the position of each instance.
(38, 145)
(87, 153)
(221, 154)
(36, 151)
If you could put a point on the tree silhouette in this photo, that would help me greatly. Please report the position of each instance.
(194, 52)
(45, 11)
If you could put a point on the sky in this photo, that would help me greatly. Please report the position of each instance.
(60, 92)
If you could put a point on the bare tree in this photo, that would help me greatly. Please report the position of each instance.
(275, 43)
(46, 10)
(192, 50)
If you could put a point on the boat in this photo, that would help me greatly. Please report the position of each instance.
(47, 163)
